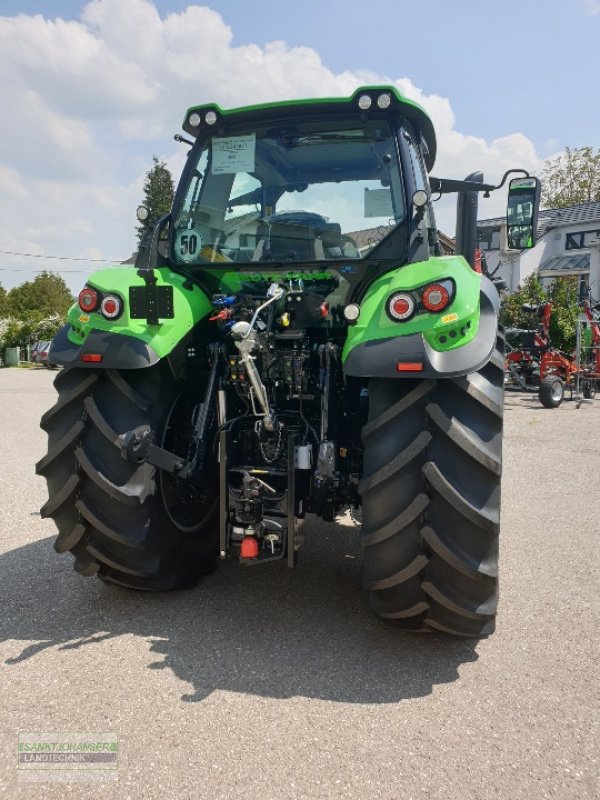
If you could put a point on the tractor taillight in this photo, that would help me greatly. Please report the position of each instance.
(111, 306)
(409, 366)
(88, 299)
(435, 297)
(401, 306)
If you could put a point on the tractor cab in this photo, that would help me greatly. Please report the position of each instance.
(319, 184)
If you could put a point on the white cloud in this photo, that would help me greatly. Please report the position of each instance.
(86, 103)
(11, 185)
(593, 6)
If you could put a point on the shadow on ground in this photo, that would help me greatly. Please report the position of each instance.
(268, 631)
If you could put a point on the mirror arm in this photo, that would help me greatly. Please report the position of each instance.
(448, 185)
(511, 172)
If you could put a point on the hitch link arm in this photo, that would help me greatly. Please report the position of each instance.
(138, 445)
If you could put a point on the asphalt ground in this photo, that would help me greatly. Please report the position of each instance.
(276, 683)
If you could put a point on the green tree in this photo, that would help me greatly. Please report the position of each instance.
(563, 296)
(565, 309)
(10, 334)
(3, 311)
(573, 177)
(511, 311)
(158, 196)
(47, 295)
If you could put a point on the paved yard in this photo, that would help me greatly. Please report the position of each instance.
(270, 683)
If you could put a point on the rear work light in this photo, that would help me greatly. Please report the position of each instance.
(436, 297)
(352, 313)
(88, 299)
(111, 306)
(401, 306)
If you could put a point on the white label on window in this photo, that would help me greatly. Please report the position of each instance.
(378, 203)
(188, 244)
(233, 154)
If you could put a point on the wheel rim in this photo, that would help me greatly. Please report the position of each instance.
(188, 505)
(557, 391)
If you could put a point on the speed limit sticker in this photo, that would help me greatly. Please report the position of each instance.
(188, 244)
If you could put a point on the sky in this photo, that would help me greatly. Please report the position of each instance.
(90, 91)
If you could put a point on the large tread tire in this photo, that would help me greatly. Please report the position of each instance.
(110, 512)
(431, 500)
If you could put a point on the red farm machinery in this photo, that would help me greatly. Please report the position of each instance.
(534, 364)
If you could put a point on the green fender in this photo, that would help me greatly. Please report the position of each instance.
(189, 306)
(455, 341)
(127, 343)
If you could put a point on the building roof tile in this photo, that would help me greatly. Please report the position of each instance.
(553, 217)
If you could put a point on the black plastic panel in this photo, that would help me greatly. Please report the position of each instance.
(149, 301)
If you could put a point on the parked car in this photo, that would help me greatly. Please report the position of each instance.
(34, 355)
(40, 352)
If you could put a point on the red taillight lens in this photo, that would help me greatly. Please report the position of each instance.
(401, 306)
(111, 307)
(91, 358)
(435, 297)
(88, 299)
(409, 366)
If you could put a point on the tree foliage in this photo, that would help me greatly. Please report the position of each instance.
(47, 295)
(573, 177)
(33, 311)
(565, 309)
(158, 196)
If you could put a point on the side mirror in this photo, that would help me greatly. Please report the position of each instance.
(522, 212)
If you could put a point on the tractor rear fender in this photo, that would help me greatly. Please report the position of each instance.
(455, 341)
(129, 342)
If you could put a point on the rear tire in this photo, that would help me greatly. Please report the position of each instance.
(111, 514)
(552, 391)
(431, 500)
(589, 388)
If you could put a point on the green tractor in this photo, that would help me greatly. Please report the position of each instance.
(292, 341)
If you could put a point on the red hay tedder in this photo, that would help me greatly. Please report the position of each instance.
(534, 364)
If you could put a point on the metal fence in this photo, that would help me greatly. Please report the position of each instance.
(24, 354)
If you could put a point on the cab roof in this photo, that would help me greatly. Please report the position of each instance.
(412, 111)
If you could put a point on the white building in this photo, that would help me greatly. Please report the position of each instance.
(565, 247)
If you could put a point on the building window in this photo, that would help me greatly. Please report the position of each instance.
(584, 287)
(580, 239)
(488, 238)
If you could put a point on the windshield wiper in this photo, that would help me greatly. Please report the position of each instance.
(316, 138)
